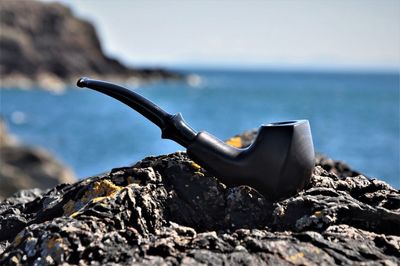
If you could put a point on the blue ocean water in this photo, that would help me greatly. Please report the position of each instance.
(354, 117)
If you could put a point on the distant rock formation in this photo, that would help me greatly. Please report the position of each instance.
(45, 45)
(167, 210)
(23, 167)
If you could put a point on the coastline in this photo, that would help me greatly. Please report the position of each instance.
(52, 83)
(44, 45)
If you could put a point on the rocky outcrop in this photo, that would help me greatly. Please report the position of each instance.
(169, 210)
(45, 45)
(24, 167)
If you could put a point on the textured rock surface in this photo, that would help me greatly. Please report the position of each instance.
(168, 210)
(23, 167)
(44, 44)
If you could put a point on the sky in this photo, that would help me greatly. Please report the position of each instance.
(293, 34)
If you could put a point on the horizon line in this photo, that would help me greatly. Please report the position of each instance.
(268, 67)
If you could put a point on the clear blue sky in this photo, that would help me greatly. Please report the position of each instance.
(344, 34)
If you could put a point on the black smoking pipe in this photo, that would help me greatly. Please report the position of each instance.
(277, 164)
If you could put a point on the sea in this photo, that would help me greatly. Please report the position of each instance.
(354, 116)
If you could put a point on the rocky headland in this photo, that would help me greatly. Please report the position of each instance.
(26, 167)
(44, 45)
(167, 210)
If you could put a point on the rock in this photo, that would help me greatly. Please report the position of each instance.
(6, 139)
(169, 210)
(24, 167)
(44, 44)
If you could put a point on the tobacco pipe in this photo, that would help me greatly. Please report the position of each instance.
(277, 164)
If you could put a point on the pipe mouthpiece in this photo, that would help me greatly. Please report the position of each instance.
(82, 82)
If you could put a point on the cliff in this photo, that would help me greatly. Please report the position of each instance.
(45, 45)
(168, 210)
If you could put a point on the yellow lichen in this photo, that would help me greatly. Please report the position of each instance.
(98, 199)
(75, 214)
(318, 214)
(316, 250)
(199, 173)
(14, 260)
(296, 257)
(103, 188)
(98, 191)
(195, 166)
(235, 142)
